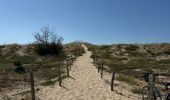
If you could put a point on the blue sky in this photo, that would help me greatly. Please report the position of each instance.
(95, 21)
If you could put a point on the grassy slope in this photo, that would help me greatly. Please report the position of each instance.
(132, 60)
(45, 68)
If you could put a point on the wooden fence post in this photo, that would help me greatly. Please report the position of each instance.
(72, 60)
(94, 60)
(98, 66)
(59, 79)
(151, 91)
(96, 63)
(32, 84)
(67, 65)
(76, 53)
(113, 77)
(102, 69)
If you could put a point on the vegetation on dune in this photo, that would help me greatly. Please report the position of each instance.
(48, 42)
(125, 78)
(137, 90)
(133, 60)
(131, 48)
(43, 57)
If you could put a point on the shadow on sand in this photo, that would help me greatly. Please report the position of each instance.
(72, 78)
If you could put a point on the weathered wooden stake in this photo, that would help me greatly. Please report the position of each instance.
(76, 53)
(102, 70)
(71, 59)
(113, 77)
(32, 85)
(151, 91)
(67, 67)
(98, 66)
(94, 61)
(59, 79)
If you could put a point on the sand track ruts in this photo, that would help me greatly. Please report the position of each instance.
(85, 84)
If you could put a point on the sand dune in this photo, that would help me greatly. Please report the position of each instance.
(85, 84)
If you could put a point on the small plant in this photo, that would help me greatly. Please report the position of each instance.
(119, 46)
(104, 47)
(17, 63)
(124, 78)
(136, 90)
(164, 61)
(131, 48)
(47, 83)
(167, 52)
(19, 68)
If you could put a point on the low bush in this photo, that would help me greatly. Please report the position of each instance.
(164, 61)
(19, 68)
(167, 52)
(126, 79)
(131, 48)
(48, 42)
(136, 90)
(48, 49)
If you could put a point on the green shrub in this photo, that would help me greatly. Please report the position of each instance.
(119, 47)
(2, 46)
(164, 61)
(48, 43)
(135, 54)
(124, 78)
(167, 52)
(48, 49)
(131, 48)
(137, 90)
(19, 68)
(104, 47)
(17, 63)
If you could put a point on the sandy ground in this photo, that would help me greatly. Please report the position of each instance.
(85, 84)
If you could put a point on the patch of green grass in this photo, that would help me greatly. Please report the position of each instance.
(126, 79)
(48, 73)
(47, 83)
(44, 67)
(164, 61)
(135, 54)
(119, 47)
(137, 62)
(14, 57)
(131, 48)
(136, 90)
(52, 82)
(104, 47)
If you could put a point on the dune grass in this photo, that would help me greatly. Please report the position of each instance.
(44, 67)
(128, 60)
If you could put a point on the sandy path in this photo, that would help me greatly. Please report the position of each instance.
(85, 84)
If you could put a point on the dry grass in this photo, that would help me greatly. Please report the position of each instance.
(44, 67)
(134, 59)
(137, 90)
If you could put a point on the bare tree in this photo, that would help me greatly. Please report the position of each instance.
(48, 42)
(47, 36)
